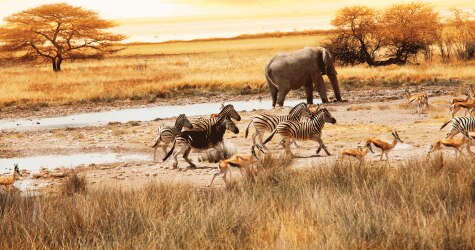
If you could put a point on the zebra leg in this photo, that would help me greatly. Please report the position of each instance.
(322, 145)
(254, 139)
(261, 142)
(295, 143)
(185, 156)
(182, 151)
(287, 146)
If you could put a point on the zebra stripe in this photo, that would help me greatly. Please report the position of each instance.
(205, 124)
(167, 134)
(461, 125)
(310, 130)
(266, 122)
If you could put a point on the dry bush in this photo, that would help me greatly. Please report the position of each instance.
(424, 204)
(74, 184)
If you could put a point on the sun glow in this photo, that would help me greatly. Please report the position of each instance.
(161, 20)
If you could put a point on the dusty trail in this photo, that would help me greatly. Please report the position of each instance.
(354, 123)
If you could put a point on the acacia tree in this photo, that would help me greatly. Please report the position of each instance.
(356, 38)
(58, 32)
(408, 29)
(390, 37)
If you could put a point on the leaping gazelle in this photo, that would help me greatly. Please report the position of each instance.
(384, 146)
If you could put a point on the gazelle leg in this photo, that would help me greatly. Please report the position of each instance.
(382, 153)
(295, 144)
(214, 176)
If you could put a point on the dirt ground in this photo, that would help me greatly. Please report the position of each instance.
(355, 122)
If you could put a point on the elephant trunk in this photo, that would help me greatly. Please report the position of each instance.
(336, 88)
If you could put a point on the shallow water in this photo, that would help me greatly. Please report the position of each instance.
(135, 114)
(35, 163)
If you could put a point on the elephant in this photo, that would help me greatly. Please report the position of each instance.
(304, 67)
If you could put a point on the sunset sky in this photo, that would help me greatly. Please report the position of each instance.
(160, 20)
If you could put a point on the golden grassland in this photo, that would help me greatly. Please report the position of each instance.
(422, 205)
(148, 71)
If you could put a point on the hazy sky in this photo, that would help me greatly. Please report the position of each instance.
(158, 20)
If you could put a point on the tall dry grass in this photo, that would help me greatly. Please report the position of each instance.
(423, 205)
(150, 71)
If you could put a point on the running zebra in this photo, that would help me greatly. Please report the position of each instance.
(461, 125)
(205, 124)
(266, 122)
(167, 133)
(200, 140)
(311, 130)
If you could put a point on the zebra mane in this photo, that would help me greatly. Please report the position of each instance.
(296, 107)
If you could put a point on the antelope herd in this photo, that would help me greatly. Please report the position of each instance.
(300, 124)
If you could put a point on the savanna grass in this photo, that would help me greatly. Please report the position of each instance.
(425, 204)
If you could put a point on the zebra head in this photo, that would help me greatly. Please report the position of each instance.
(231, 126)
(396, 135)
(327, 117)
(300, 110)
(184, 121)
(229, 111)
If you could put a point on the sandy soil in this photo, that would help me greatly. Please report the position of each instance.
(355, 122)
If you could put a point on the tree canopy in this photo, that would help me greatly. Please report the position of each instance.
(58, 32)
(384, 37)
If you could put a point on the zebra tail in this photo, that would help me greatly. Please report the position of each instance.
(445, 124)
(247, 129)
(157, 142)
(171, 151)
(270, 136)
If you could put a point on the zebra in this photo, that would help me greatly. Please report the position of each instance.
(310, 130)
(266, 122)
(205, 124)
(201, 140)
(461, 125)
(168, 133)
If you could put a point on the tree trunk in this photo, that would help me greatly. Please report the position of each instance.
(56, 62)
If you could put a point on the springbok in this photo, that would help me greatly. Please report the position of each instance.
(8, 181)
(384, 146)
(443, 144)
(244, 162)
(358, 153)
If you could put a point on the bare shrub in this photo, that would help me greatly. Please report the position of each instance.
(74, 184)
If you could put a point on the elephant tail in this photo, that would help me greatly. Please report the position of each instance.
(267, 73)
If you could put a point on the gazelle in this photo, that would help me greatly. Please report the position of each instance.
(244, 162)
(419, 101)
(468, 105)
(358, 153)
(384, 146)
(8, 181)
(469, 93)
(443, 144)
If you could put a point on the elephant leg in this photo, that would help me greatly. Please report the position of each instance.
(309, 92)
(336, 88)
(322, 91)
(273, 93)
